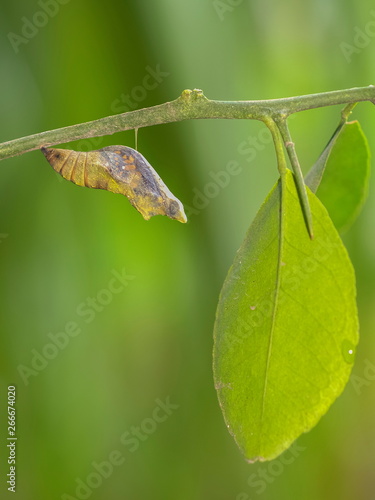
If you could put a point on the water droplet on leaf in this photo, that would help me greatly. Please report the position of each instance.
(348, 351)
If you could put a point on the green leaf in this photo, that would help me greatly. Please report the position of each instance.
(286, 326)
(314, 176)
(345, 163)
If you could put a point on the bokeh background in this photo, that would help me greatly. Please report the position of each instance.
(60, 245)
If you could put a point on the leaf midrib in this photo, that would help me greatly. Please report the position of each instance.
(282, 187)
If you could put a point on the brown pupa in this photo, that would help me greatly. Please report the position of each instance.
(119, 169)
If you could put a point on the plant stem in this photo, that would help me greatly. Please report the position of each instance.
(298, 176)
(192, 104)
(278, 143)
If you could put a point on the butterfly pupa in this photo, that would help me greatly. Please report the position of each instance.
(119, 169)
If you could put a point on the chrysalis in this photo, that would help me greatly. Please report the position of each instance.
(119, 169)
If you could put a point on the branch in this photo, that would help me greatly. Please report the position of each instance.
(192, 104)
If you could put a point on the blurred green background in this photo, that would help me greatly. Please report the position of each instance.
(60, 244)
